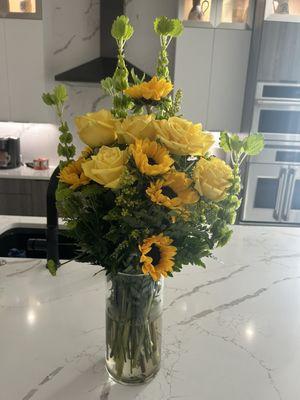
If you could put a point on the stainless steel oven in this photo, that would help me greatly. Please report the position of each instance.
(277, 111)
(272, 192)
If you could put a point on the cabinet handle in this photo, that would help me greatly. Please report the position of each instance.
(289, 195)
(278, 205)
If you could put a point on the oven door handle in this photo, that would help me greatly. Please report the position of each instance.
(279, 102)
(289, 195)
(281, 185)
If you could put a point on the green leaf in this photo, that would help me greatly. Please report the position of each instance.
(60, 93)
(178, 28)
(121, 28)
(48, 99)
(236, 144)
(52, 267)
(163, 26)
(225, 142)
(168, 27)
(254, 144)
(107, 84)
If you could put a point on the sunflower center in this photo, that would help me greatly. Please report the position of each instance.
(154, 253)
(151, 161)
(169, 192)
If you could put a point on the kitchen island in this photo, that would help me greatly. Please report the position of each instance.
(231, 332)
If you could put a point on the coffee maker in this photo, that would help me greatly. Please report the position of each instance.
(10, 152)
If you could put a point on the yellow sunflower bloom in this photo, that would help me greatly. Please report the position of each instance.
(157, 257)
(86, 152)
(151, 158)
(155, 89)
(73, 175)
(173, 191)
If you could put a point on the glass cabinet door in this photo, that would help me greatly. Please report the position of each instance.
(233, 14)
(283, 10)
(197, 12)
(31, 9)
(237, 13)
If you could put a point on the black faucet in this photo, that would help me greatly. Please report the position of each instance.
(52, 220)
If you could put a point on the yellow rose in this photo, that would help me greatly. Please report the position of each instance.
(135, 127)
(155, 89)
(107, 167)
(212, 178)
(182, 137)
(96, 129)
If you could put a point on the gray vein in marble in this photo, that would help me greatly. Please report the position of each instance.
(222, 307)
(51, 376)
(235, 302)
(260, 362)
(89, 37)
(65, 46)
(24, 270)
(91, 5)
(104, 395)
(283, 256)
(196, 289)
(97, 101)
(30, 394)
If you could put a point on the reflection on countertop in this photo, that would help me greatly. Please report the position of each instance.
(230, 331)
(25, 172)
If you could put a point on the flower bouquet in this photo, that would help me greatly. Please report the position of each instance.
(144, 198)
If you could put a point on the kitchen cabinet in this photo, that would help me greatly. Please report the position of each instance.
(211, 68)
(22, 67)
(23, 197)
(25, 66)
(228, 79)
(28, 9)
(4, 91)
(192, 71)
(280, 52)
(236, 14)
(212, 59)
(282, 10)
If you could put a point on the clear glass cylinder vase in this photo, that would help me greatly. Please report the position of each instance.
(133, 327)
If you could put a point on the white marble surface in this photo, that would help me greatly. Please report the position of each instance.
(12, 221)
(230, 332)
(24, 172)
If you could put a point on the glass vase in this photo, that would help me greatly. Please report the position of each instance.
(133, 327)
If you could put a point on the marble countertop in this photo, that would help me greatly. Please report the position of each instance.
(25, 172)
(230, 332)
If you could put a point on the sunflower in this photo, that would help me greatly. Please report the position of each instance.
(173, 191)
(73, 175)
(150, 157)
(155, 89)
(86, 152)
(157, 257)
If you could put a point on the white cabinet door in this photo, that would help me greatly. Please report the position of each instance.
(26, 75)
(228, 79)
(192, 71)
(4, 91)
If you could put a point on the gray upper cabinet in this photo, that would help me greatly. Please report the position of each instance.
(280, 52)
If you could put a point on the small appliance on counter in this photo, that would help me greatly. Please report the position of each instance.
(10, 152)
